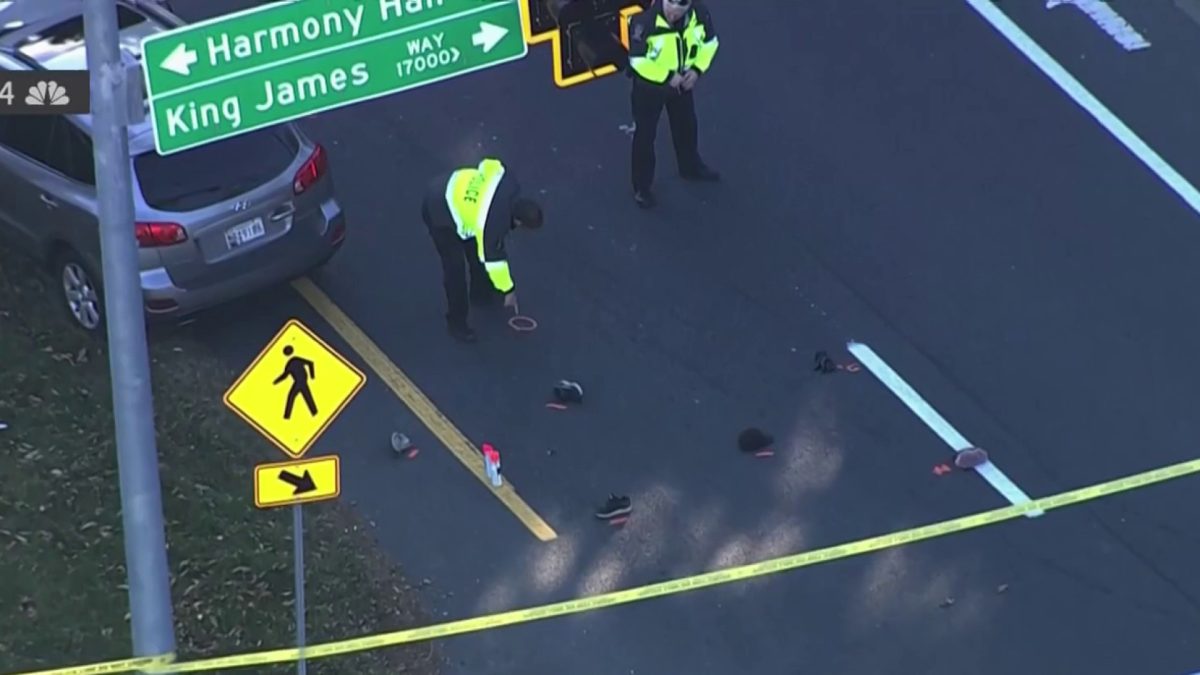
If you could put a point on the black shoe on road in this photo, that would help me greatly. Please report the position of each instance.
(644, 198)
(615, 506)
(462, 333)
(702, 174)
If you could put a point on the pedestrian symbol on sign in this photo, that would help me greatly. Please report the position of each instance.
(284, 377)
(301, 370)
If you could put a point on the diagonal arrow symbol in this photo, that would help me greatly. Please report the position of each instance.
(302, 484)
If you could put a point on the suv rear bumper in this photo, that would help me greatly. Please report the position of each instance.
(164, 301)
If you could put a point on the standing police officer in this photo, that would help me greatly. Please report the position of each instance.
(670, 46)
(469, 213)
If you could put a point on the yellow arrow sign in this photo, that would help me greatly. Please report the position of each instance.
(294, 389)
(297, 482)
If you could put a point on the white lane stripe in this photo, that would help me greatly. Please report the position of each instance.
(1067, 82)
(938, 424)
(1109, 20)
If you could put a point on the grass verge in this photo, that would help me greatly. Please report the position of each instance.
(62, 594)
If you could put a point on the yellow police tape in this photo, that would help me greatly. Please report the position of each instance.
(163, 664)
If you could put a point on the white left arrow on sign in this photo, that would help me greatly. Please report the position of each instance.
(489, 36)
(180, 60)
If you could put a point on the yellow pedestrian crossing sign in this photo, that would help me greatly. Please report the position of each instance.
(294, 389)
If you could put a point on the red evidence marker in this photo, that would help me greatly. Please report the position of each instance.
(522, 324)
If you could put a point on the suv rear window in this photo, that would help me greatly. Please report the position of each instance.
(200, 177)
(60, 47)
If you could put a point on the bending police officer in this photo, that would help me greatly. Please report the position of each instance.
(671, 45)
(470, 212)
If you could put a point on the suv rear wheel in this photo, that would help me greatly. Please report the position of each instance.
(81, 293)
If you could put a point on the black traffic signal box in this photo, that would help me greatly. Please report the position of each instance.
(590, 32)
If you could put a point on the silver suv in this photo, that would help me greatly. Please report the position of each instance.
(213, 223)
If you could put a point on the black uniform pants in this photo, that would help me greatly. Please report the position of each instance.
(460, 261)
(648, 104)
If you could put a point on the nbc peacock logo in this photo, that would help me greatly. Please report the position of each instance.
(47, 93)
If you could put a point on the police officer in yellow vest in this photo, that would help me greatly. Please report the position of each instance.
(671, 45)
(470, 212)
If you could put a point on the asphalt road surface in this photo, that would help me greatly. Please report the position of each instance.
(895, 173)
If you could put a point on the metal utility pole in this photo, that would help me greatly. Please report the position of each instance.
(129, 362)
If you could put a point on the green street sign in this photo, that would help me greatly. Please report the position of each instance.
(245, 71)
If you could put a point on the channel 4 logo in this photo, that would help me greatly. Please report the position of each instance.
(44, 92)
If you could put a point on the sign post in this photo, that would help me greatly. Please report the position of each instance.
(297, 483)
(244, 71)
(291, 393)
(298, 580)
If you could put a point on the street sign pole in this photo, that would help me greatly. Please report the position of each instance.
(152, 622)
(292, 417)
(298, 546)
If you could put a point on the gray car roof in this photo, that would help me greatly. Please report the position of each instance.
(23, 22)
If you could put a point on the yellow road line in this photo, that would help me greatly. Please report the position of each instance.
(420, 405)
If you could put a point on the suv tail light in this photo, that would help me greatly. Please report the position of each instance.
(151, 235)
(314, 167)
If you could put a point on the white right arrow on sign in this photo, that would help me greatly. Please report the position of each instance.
(489, 36)
(180, 60)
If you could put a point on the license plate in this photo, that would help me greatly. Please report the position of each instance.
(240, 234)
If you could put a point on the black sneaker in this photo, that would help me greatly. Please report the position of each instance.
(615, 506)
(644, 199)
(462, 333)
(702, 174)
(567, 391)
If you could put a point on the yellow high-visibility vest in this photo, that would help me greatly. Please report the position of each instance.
(469, 194)
(669, 51)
